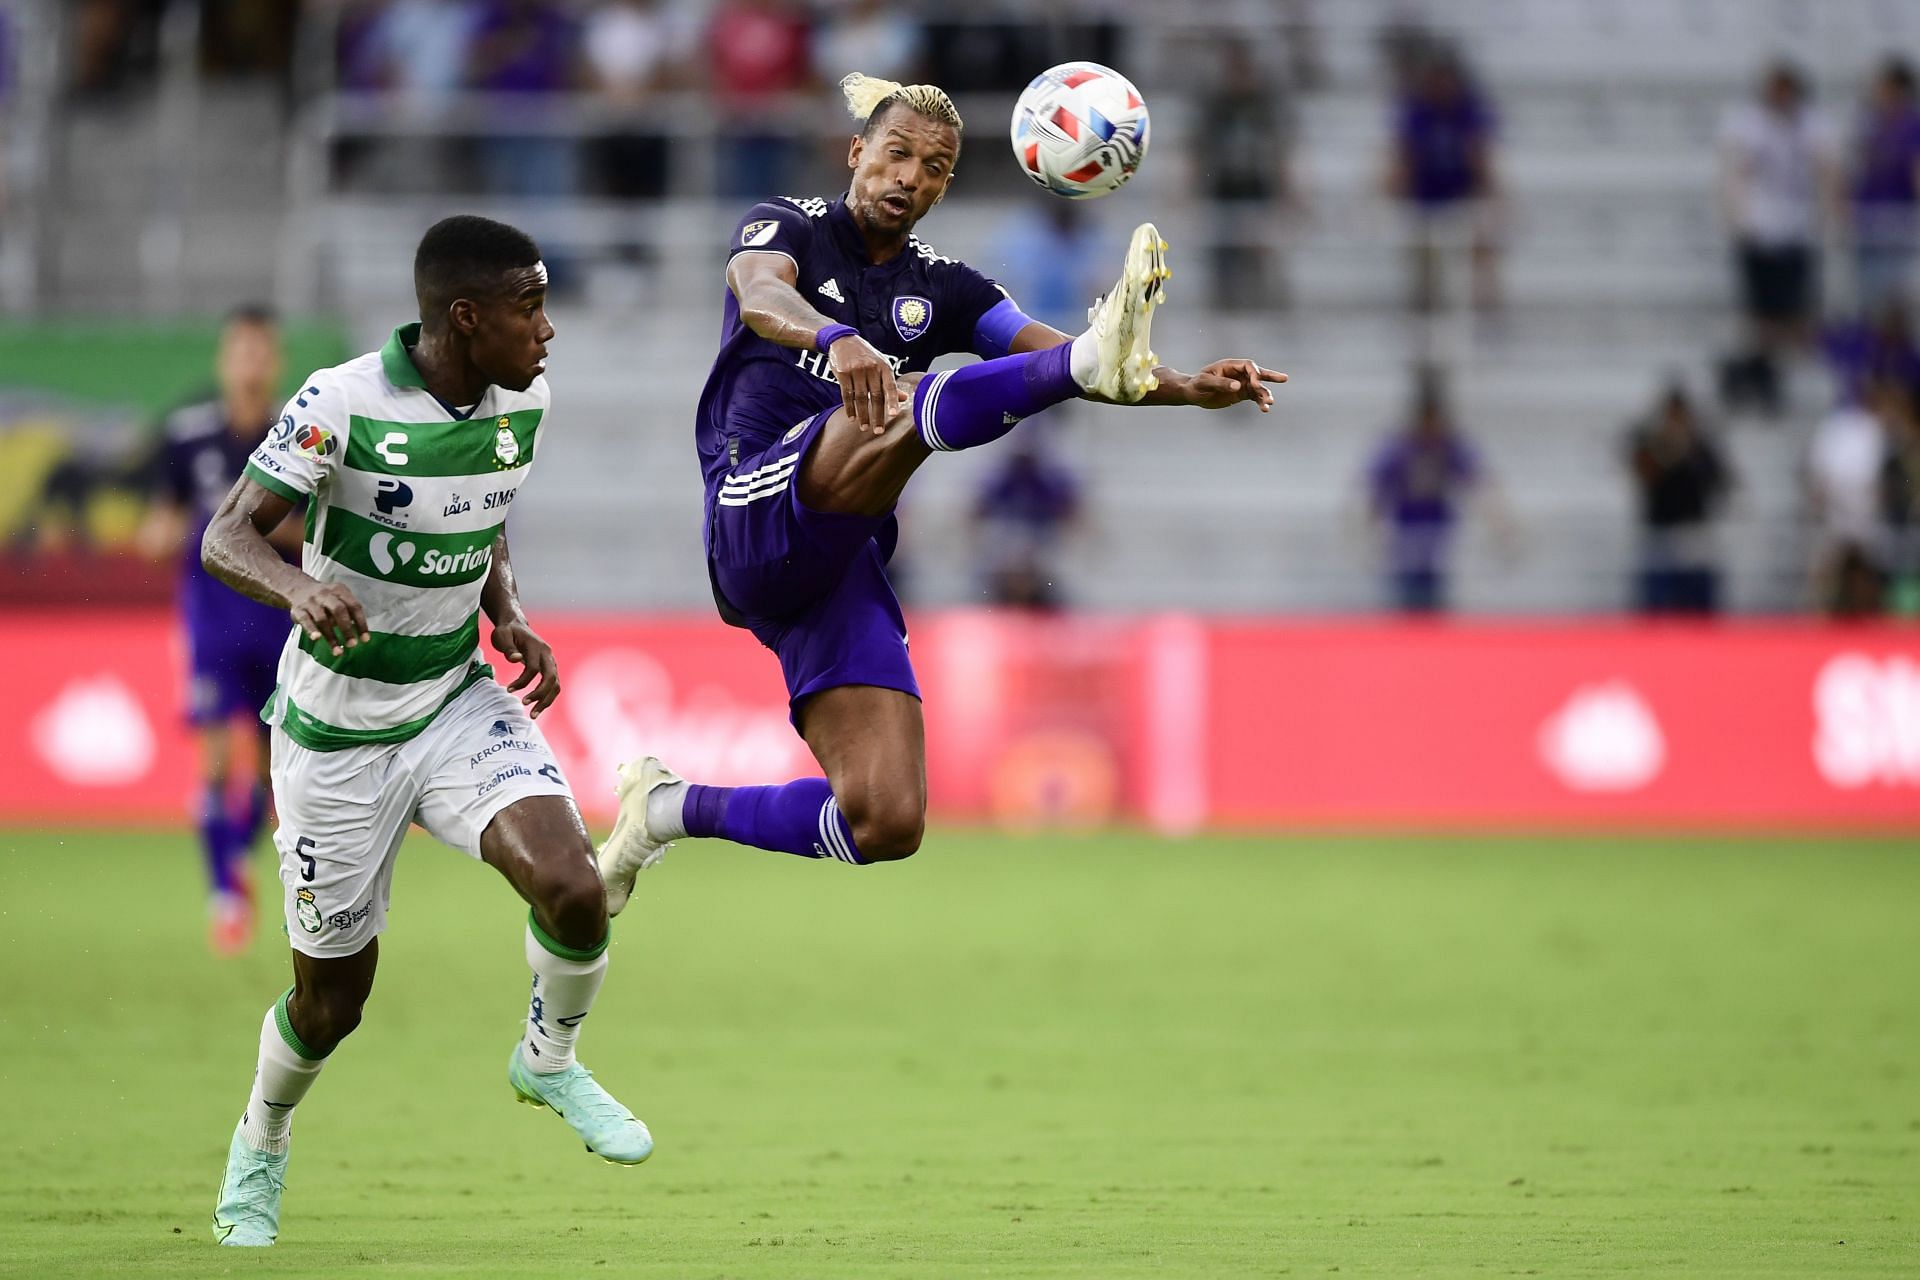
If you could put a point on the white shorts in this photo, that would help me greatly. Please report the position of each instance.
(343, 813)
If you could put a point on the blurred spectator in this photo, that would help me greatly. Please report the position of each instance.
(1886, 189)
(869, 36)
(1243, 143)
(416, 47)
(526, 47)
(115, 42)
(630, 49)
(1024, 510)
(1777, 170)
(1880, 345)
(1417, 487)
(1682, 481)
(1057, 261)
(1845, 461)
(247, 37)
(1442, 168)
(757, 51)
(1900, 498)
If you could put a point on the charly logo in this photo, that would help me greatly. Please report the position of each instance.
(385, 556)
(306, 910)
(755, 234)
(389, 495)
(911, 316)
(506, 446)
(389, 448)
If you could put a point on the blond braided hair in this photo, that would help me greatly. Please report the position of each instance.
(867, 95)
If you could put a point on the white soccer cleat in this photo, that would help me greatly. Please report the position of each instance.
(631, 848)
(1120, 322)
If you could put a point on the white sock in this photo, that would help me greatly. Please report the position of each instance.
(281, 1078)
(666, 812)
(563, 992)
(1084, 361)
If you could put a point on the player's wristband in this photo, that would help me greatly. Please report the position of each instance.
(832, 334)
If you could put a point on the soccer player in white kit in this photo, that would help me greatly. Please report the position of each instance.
(385, 713)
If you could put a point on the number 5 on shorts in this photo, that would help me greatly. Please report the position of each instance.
(300, 848)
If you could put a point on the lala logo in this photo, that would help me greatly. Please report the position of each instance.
(912, 315)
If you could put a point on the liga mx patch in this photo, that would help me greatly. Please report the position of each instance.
(314, 439)
(755, 234)
(911, 315)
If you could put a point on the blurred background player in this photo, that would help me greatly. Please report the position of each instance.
(233, 643)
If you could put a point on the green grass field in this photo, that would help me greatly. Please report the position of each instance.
(1099, 1056)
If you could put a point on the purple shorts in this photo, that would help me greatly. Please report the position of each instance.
(230, 672)
(811, 585)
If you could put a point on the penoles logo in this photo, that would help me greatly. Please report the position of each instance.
(911, 316)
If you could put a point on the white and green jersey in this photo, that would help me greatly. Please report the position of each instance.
(405, 500)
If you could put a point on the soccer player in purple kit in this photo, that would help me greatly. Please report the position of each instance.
(233, 643)
(815, 416)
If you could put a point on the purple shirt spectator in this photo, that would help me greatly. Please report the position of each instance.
(1889, 152)
(524, 46)
(1417, 481)
(1443, 129)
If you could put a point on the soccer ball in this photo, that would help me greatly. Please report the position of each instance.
(1080, 130)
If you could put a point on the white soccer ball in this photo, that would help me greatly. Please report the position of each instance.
(1080, 130)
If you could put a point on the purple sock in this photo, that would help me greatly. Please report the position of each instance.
(801, 818)
(248, 818)
(217, 838)
(979, 403)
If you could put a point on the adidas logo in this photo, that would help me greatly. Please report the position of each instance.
(831, 289)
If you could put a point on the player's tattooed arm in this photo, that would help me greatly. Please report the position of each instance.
(236, 551)
(514, 637)
(767, 287)
(1222, 383)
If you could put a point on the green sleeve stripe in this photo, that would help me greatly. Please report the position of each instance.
(398, 659)
(273, 484)
(287, 1033)
(564, 951)
(410, 559)
(471, 448)
(316, 734)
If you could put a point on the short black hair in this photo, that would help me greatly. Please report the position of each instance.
(1898, 72)
(255, 313)
(464, 257)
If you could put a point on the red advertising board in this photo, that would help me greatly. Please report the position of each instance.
(1176, 721)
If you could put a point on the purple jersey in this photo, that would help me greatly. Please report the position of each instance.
(1438, 140)
(914, 308)
(1416, 484)
(200, 459)
(1889, 152)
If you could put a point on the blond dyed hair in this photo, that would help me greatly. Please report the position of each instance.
(867, 95)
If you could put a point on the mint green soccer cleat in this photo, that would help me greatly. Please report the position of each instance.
(608, 1129)
(249, 1208)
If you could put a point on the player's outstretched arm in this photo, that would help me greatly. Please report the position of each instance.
(515, 637)
(766, 285)
(1222, 383)
(236, 551)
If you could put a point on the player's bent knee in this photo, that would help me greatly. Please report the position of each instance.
(888, 833)
(322, 1019)
(571, 903)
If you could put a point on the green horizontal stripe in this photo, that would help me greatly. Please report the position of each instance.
(401, 659)
(410, 559)
(273, 484)
(317, 735)
(470, 448)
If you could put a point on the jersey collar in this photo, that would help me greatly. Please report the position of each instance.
(396, 360)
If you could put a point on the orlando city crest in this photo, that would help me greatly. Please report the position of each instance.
(912, 315)
(506, 446)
